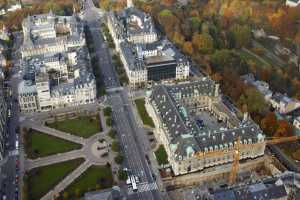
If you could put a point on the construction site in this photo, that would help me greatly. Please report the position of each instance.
(208, 183)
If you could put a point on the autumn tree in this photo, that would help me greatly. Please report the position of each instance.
(284, 129)
(203, 43)
(242, 35)
(188, 48)
(269, 124)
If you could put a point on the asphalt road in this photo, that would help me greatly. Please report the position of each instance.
(123, 118)
(9, 172)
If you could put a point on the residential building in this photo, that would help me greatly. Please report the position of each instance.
(145, 57)
(280, 102)
(296, 123)
(262, 86)
(55, 64)
(191, 120)
(283, 103)
(153, 62)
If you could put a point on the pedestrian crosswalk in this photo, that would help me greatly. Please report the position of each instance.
(13, 153)
(143, 187)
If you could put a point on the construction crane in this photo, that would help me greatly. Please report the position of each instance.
(235, 151)
(236, 155)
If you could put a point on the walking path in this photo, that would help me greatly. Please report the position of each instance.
(50, 160)
(59, 134)
(67, 181)
(91, 158)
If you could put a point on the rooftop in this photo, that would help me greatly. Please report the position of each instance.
(185, 135)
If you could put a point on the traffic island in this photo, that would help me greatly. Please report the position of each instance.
(82, 126)
(39, 144)
(39, 181)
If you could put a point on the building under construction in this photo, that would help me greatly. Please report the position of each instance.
(198, 129)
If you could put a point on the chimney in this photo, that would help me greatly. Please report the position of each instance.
(245, 117)
(217, 87)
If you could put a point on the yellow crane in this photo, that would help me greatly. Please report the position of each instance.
(235, 151)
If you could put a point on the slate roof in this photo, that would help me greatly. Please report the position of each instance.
(184, 135)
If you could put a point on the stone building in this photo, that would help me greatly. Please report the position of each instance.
(55, 64)
(192, 120)
(145, 57)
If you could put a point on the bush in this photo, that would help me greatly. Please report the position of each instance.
(115, 146)
(122, 175)
(108, 121)
(107, 111)
(119, 159)
(112, 133)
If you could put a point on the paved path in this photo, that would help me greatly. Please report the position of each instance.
(49, 160)
(59, 134)
(84, 152)
(67, 181)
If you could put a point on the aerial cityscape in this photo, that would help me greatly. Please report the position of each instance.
(149, 100)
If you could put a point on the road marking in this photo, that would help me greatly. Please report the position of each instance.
(143, 187)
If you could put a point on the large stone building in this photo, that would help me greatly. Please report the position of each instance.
(55, 64)
(192, 120)
(145, 57)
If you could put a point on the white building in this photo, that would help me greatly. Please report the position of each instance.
(55, 64)
(144, 56)
(296, 123)
(283, 103)
(292, 3)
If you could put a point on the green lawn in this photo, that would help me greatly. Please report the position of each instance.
(161, 155)
(40, 144)
(147, 120)
(247, 57)
(81, 126)
(41, 180)
(95, 177)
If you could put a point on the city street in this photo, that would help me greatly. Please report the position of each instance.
(123, 118)
(10, 172)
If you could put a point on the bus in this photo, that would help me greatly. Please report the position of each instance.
(133, 183)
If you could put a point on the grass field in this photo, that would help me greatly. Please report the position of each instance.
(95, 177)
(81, 126)
(161, 155)
(147, 120)
(247, 57)
(43, 179)
(39, 145)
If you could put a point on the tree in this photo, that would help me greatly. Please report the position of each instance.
(108, 121)
(188, 48)
(178, 38)
(203, 42)
(65, 195)
(104, 4)
(269, 123)
(122, 175)
(242, 35)
(284, 129)
(78, 192)
(107, 111)
(112, 133)
(119, 159)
